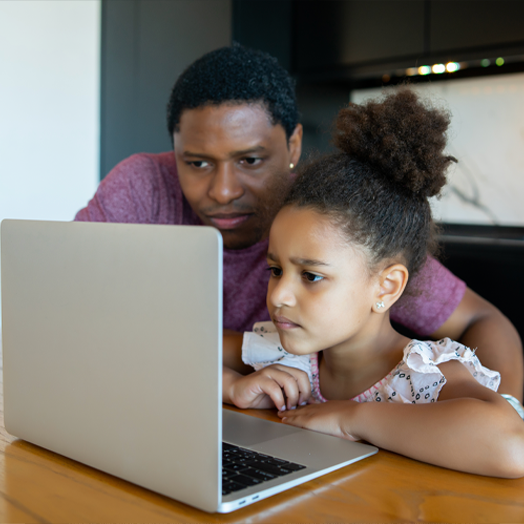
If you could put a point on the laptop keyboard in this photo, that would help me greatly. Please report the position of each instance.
(242, 468)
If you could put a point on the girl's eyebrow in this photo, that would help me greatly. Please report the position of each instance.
(300, 261)
(308, 262)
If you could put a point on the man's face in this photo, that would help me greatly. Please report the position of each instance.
(234, 168)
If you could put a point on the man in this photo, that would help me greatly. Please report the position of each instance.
(234, 122)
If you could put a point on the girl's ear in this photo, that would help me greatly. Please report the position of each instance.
(392, 282)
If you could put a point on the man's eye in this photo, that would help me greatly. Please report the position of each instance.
(251, 161)
(311, 277)
(199, 163)
(275, 271)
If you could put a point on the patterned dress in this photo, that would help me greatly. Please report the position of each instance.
(416, 379)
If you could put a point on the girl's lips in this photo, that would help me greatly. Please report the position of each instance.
(228, 222)
(284, 323)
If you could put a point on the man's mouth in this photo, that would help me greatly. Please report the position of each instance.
(284, 323)
(225, 221)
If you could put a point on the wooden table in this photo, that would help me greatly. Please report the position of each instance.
(39, 486)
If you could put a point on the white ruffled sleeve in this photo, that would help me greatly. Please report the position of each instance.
(262, 348)
(418, 379)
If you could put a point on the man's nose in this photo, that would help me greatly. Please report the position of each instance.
(225, 186)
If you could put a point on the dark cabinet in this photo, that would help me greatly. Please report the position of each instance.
(350, 32)
(493, 269)
(460, 25)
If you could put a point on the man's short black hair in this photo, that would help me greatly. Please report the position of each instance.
(235, 74)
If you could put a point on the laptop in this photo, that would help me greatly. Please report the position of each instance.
(112, 350)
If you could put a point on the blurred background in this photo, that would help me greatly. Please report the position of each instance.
(85, 84)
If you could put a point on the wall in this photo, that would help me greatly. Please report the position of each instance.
(486, 135)
(49, 107)
(146, 44)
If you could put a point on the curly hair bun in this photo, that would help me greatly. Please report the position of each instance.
(401, 137)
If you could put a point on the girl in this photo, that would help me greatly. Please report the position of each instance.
(354, 227)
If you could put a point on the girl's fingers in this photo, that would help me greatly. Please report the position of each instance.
(273, 390)
(292, 393)
(304, 387)
(295, 383)
(288, 385)
(303, 418)
(294, 418)
(324, 418)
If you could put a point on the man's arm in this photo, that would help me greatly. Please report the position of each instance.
(478, 324)
(445, 307)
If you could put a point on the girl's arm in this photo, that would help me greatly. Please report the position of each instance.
(470, 428)
(277, 386)
(232, 352)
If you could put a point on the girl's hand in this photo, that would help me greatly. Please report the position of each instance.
(281, 386)
(333, 417)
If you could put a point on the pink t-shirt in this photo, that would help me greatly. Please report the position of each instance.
(144, 189)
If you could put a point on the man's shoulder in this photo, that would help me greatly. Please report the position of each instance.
(144, 173)
(144, 164)
(434, 294)
(142, 188)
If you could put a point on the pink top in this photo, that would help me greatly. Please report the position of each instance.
(416, 379)
(144, 189)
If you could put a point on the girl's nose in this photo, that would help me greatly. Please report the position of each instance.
(281, 293)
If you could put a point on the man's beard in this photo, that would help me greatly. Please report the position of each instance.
(265, 212)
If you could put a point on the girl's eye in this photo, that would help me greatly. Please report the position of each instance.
(311, 277)
(251, 161)
(275, 271)
(199, 163)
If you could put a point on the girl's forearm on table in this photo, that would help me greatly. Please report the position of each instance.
(467, 434)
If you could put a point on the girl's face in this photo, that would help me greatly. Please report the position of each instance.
(320, 292)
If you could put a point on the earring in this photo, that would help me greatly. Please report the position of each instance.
(380, 305)
(291, 166)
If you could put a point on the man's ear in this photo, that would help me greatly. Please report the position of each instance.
(392, 282)
(295, 146)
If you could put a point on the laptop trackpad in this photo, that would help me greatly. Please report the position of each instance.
(245, 430)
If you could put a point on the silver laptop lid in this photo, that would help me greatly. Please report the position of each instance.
(112, 349)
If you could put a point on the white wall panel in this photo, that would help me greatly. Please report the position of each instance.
(49, 107)
(487, 137)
